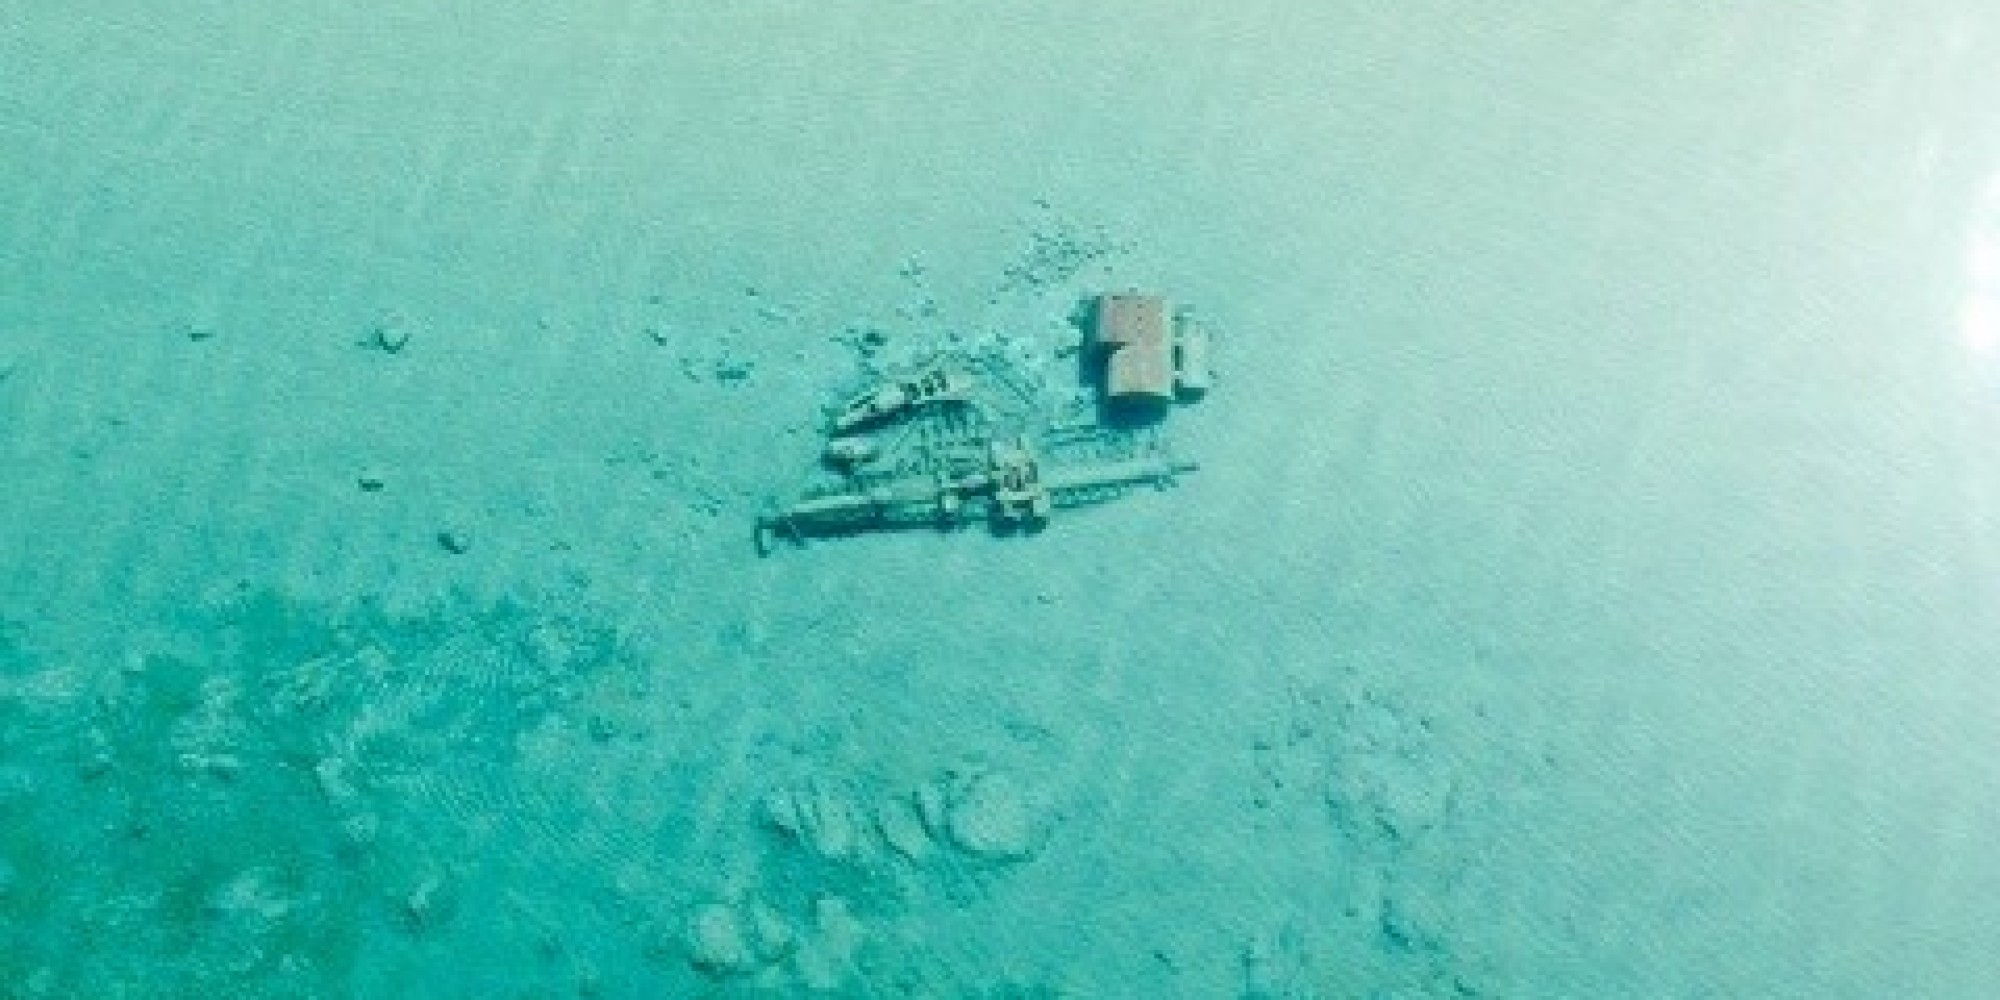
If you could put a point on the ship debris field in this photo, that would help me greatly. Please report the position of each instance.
(969, 435)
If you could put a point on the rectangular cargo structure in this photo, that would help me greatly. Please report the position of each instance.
(1136, 332)
(1191, 369)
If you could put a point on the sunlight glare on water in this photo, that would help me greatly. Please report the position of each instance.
(1979, 316)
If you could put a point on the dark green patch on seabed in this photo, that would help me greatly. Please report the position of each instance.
(267, 783)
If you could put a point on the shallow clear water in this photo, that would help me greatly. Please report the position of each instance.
(1589, 588)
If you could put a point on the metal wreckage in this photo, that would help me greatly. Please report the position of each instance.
(963, 436)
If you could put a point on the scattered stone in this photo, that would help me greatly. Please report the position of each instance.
(250, 896)
(549, 945)
(389, 336)
(1278, 966)
(601, 728)
(1060, 252)
(1412, 921)
(990, 818)
(17, 786)
(359, 832)
(428, 905)
(95, 765)
(40, 983)
(330, 774)
(454, 542)
(221, 766)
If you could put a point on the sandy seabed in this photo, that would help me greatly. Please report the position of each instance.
(1587, 590)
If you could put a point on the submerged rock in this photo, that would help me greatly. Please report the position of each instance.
(990, 817)
(736, 940)
(825, 959)
(934, 808)
(819, 817)
(901, 824)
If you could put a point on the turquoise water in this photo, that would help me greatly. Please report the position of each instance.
(1589, 589)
